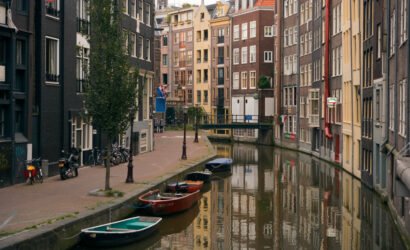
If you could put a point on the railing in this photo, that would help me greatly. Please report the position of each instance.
(229, 119)
(52, 11)
(220, 60)
(220, 101)
(83, 26)
(220, 81)
(51, 77)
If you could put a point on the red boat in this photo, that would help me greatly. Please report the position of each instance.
(168, 203)
(185, 186)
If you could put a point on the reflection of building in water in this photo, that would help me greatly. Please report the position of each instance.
(223, 150)
(220, 214)
(202, 235)
(181, 241)
(351, 213)
(245, 153)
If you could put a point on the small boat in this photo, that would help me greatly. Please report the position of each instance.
(199, 176)
(119, 232)
(220, 164)
(185, 186)
(168, 203)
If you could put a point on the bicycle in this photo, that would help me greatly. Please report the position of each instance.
(95, 157)
(33, 171)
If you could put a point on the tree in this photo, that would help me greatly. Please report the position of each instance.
(263, 82)
(111, 91)
(195, 113)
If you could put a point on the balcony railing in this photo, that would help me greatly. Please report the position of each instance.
(52, 77)
(221, 39)
(220, 60)
(52, 11)
(83, 26)
(220, 101)
(220, 81)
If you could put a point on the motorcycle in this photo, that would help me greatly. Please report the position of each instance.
(69, 165)
(33, 171)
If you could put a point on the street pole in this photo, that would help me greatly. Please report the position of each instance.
(183, 157)
(130, 178)
(196, 124)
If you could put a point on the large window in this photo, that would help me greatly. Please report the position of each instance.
(313, 107)
(133, 44)
(140, 47)
(252, 54)
(236, 32)
(244, 31)
(244, 55)
(164, 60)
(52, 57)
(140, 9)
(147, 17)
(244, 80)
(268, 31)
(236, 56)
(53, 8)
(82, 63)
(235, 80)
(252, 27)
(148, 49)
(268, 56)
(252, 79)
(402, 107)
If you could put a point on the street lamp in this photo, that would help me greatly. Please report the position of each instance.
(130, 178)
(196, 123)
(183, 157)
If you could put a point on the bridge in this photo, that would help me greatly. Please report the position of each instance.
(215, 121)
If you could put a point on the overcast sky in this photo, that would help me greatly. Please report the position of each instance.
(180, 2)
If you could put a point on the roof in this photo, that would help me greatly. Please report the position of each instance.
(265, 3)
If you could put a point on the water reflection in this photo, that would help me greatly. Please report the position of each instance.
(279, 199)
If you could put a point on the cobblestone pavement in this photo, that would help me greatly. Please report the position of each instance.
(24, 205)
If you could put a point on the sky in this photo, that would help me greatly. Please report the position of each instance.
(198, 2)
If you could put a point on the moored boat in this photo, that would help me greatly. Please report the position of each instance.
(185, 186)
(119, 232)
(199, 176)
(168, 203)
(219, 164)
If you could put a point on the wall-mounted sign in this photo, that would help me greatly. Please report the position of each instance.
(331, 102)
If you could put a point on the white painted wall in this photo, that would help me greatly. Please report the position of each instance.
(237, 108)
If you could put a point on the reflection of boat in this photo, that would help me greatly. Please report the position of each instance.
(120, 232)
(221, 175)
(219, 164)
(177, 223)
(168, 203)
(185, 186)
(199, 176)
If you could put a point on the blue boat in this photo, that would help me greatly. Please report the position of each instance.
(120, 232)
(219, 165)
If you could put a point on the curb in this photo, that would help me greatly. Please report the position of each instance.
(64, 234)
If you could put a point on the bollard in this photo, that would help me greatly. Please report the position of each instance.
(44, 165)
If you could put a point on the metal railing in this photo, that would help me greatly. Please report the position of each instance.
(229, 119)
(52, 77)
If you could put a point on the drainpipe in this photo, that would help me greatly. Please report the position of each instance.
(387, 112)
(327, 45)
(395, 78)
(408, 80)
(351, 89)
(298, 82)
(170, 55)
(230, 69)
(278, 58)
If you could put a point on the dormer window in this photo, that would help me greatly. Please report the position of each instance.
(202, 16)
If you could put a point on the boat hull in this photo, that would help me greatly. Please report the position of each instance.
(219, 165)
(199, 176)
(170, 206)
(185, 187)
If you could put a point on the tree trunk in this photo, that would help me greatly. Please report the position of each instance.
(107, 168)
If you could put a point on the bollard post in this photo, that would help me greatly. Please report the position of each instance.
(44, 165)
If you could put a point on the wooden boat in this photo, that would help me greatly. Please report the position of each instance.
(168, 203)
(199, 176)
(119, 232)
(220, 164)
(185, 186)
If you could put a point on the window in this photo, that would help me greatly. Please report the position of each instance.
(268, 31)
(198, 96)
(252, 54)
(302, 45)
(124, 6)
(176, 59)
(235, 80)
(164, 60)
(302, 107)
(391, 122)
(285, 38)
(22, 5)
(392, 32)
(147, 16)
(205, 96)
(252, 79)
(379, 41)
(244, 55)
(337, 27)
(252, 28)
(133, 44)
(313, 107)
(402, 108)
(295, 35)
(295, 64)
(52, 57)
(403, 21)
(165, 40)
(133, 9)
(244, 80)
(81, 63)
(236, 32)
(148, 49)
(205, 35)
(189, 58)
(140, 9)
(205, 75)
(244, 31)
(20, 52)
(286, 9)
(290, 36)
(267, 56)
(2, 122)
(189, 36)
(377, 108)
(53, 8)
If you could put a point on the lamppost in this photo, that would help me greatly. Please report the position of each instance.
(196, 123)
(183, 157)
(130, 178)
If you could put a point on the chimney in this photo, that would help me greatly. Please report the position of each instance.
(236, 5)
(244, 4)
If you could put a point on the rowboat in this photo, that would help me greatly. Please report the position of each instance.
(168, 203)
(199, 176)
(119, 232)
(185, 186)
(220, 164)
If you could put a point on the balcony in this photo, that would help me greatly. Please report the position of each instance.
(83, 26)
(220, 81)
(221, 39)
(220, 60)
(52, 11)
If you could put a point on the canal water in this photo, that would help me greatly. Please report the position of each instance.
(279, 199)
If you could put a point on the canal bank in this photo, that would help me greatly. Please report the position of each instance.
(401, 224)
(77, 209)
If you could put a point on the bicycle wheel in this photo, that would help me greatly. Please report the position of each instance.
(90, 160)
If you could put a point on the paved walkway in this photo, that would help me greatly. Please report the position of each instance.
(24, 205)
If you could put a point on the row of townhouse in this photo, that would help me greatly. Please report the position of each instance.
(42, 49)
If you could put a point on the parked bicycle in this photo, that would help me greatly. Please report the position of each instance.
(96, 157)
(33, 172)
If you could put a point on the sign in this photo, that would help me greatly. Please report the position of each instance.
(160, 104)
(283, 118)
(248, 117)
(331, 102)
(331, 232)
(290, 136)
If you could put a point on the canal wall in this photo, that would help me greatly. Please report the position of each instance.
(65, 234)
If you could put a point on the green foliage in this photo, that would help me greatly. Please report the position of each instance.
(195, 112)
(111, 90)
(168, 18)
(263, 82)
(187, 5)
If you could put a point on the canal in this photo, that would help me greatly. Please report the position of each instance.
(279, 199)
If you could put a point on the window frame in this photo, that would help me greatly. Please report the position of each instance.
(57, 59)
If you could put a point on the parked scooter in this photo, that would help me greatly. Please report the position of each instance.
(69, 165)
(33, 171)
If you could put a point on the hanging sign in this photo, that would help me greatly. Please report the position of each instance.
(331, 102)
